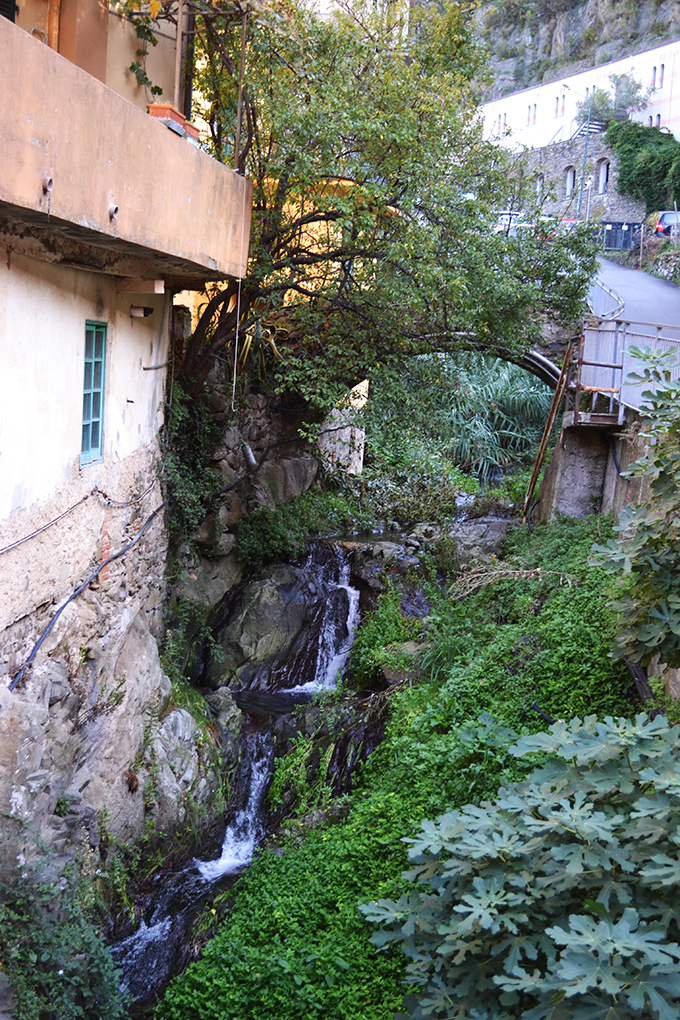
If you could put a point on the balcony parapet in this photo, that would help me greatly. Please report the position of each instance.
(89, 180)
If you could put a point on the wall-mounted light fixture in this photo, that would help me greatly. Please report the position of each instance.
(113, 211)
(140, 311)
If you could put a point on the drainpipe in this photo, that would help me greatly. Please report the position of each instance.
(54, 11)
(178, 53)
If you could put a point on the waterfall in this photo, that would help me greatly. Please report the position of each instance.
(158, 948)
(333, 645)
(247, 829)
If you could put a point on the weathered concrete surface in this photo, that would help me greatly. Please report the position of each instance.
(131, 162)
(573, 480)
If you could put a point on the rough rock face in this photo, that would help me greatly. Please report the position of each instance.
(479, 539)
(84, 754)
(534, 42)
(273, 623)
(269, 431)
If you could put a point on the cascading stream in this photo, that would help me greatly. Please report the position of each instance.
(247, 829)
(156, 950)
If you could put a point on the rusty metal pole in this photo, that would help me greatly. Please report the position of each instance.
(560, 391)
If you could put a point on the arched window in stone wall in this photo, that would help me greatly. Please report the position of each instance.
(569, 181)
(603, 177)
(540, 185)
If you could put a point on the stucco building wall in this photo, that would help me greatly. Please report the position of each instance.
(544, 114)
(43, 311)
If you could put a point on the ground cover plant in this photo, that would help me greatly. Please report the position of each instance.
(292, 942)
(559, 899)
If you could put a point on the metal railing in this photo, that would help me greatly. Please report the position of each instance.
(604, 302)
(605, 361)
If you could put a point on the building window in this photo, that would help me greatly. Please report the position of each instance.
(540, 181)
(557, 105)
(569, 181)
(505, 121)
(563, 102)
(650, 122)
(528, 115)
(653, 77)
(8, 9)
(534, 113)
(661, 73)
(658, 120)
(93, 392)
(603, 184)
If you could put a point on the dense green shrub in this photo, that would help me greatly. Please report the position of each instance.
(52, 952)
(187, 441)
(559, 899)
(649, 163)
(266, 535)
(383, 627)
(646, 551)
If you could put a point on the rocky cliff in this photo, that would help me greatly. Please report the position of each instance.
(535, 41)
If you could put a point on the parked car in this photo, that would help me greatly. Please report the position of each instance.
(506, 221)
(665, 221)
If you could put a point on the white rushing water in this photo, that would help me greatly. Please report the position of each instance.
(331, 658)
(245, 832)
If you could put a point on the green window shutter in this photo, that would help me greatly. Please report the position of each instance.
(93, 392)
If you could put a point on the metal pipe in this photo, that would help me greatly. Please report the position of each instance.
(178, 53)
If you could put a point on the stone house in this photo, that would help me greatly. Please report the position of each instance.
(561, 181)
(105, 214)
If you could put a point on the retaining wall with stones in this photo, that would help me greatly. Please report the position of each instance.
(550, 166)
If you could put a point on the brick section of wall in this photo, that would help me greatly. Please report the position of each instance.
(553, 163)
(106, 545)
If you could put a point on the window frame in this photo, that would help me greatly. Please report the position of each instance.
(94, 454)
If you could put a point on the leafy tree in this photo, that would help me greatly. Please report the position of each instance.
(626, 96)
(373, 186)
(558, 900)
(647, 549)
(649, 163)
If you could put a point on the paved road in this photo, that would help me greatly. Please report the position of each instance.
(646, 298)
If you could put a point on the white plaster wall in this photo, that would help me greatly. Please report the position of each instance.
(512, 110)
(43, 310)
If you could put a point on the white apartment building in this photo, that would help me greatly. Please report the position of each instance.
(544, 114)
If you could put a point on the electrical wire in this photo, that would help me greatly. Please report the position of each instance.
(111, 501)
(125, 549)
(83, 586)
(238, 301)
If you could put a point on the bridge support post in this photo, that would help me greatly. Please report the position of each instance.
(573, 481)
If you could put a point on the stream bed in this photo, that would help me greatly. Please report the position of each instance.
(268, 694)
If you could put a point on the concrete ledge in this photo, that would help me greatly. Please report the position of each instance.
(74, 151)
